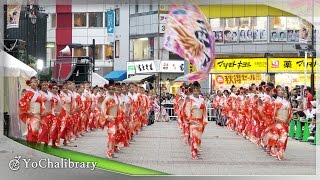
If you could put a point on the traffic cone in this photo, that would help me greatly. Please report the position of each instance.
(291, 129)
(298, 135)
(306, 132)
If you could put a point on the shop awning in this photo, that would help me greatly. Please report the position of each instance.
(137, 78)
(116, 75)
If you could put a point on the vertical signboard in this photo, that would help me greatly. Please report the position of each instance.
(110, 25)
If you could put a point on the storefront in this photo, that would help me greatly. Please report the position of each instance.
(245, 71)
(290, 71)
(163, 72)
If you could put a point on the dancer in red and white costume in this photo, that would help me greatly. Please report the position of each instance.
(197, 115)
(58, 115)
(31, 108)
(66, 101)
(110, 107)
(47, 115)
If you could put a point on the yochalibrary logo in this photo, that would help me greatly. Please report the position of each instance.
(275, 64)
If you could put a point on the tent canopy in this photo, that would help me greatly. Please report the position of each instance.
(12, 67)
(98, 80)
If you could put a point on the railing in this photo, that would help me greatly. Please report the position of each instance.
(172, 115)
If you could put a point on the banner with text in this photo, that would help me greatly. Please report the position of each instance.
(110, 25)
(290, 65)
(172, 66)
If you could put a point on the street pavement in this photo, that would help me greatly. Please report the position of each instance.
(161, 148)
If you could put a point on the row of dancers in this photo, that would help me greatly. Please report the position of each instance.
(259, 114)
(55, 112)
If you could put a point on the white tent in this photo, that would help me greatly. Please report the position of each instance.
(13, 74)
(12, 67)
(98, 80)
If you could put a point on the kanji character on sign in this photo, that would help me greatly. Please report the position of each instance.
(287, 64)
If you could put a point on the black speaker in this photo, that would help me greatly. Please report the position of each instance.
(80, 73)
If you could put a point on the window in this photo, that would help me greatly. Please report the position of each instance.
(80, 20)
(278, 29)
(98, 54)
(293, 27)
(80, 52)
(245, 29)
(136, 8)
(260, 29)
(108, 52)
(53, 20)
(143, 48)
(231, 30)
(95, 19)
(217, 26)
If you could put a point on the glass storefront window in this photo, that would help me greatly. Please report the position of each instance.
(95, 19)
(98, 52)
(143, 48)
(80, 52)
(260, 29)
(108, 51)
(80, 20)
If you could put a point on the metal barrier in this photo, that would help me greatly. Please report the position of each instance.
(172, 115)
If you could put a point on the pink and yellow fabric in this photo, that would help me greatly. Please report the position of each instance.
(189, 35)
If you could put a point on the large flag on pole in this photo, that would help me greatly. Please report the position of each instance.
(189, 34)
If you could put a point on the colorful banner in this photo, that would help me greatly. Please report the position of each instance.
(189, 35)
(290, 65)
(110, 25)
(13, 13)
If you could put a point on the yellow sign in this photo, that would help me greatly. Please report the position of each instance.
(290, 65)
(243, 65)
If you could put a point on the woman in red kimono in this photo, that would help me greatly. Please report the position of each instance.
(46, 117)
(278, 134)
(184, 118)
(134, 106)
(77, 111)
(120, 139)
(126, 116)
(268, 109)
(110, 107)
(58, 115)
(177, 105)
(197, 114)
(31, 107)
(66, 101)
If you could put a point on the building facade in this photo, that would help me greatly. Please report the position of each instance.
(81, 23)
(253, 42)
